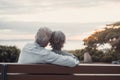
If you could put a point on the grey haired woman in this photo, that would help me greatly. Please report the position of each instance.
(36, 52)
(57, 42)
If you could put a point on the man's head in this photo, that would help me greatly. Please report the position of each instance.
(43, 36)
(57, 40)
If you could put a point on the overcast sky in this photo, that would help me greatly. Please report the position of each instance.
(77, 18)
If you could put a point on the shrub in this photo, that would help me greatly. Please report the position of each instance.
(9, 54)
(98, 55)
(107, 59)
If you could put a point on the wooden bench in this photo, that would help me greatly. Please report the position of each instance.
(54, 72)
(0, 71)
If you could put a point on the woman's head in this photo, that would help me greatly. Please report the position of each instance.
(57, 40)
(43, 36)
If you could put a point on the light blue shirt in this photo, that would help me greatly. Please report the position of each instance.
(64, 53)
(34, 53)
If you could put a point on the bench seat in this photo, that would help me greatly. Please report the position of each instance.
(55, 72)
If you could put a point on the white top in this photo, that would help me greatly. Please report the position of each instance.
(34, 53)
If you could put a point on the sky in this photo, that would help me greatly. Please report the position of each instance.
(20, 19)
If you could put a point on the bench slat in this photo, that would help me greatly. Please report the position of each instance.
(0, 71)
(0, 68)
(47, 68)
(60, 77)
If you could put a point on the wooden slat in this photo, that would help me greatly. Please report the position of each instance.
(47, 68)
(0, 77)
(0, 68)
(0, 71)
(61, 77)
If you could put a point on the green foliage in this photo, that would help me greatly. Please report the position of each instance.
(97, 55)
(106, 59)
(9, 54)
(78, 53)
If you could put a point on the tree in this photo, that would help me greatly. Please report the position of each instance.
(110, 34)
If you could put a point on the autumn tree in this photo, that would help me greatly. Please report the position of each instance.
(110, 34)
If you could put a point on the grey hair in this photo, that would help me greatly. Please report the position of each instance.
(57, 40)
(43, 36)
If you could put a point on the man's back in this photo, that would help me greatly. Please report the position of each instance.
(34, 53)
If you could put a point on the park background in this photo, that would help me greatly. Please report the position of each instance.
(78, 19)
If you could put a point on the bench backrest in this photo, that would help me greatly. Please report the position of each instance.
(0, 71)
(54, 72)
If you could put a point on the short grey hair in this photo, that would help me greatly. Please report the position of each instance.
(57, 40)
(43, 36)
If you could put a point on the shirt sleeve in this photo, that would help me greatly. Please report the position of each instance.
(67, 54)
(71, 54)
(62, 60)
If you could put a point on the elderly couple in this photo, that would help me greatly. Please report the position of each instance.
(36, 52)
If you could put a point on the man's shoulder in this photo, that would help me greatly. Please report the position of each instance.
(35, 48)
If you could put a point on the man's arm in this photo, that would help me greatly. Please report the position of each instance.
(62, 60)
